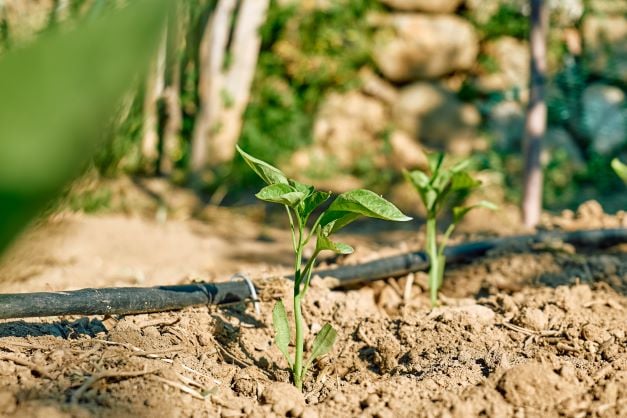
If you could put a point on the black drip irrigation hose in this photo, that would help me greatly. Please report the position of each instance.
(135, 300)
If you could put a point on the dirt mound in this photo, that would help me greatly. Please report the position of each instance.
(522, 332)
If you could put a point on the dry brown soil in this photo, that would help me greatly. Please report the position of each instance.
(523, 332)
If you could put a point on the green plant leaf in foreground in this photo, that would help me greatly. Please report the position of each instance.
(620, 169)
(281, 193)
(323, 343)
(350, 205)
(324, 243)
(267, 172)
(282, 330)
(58, 94)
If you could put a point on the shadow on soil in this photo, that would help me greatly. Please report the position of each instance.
(63, 329)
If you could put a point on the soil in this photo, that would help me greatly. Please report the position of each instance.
(522, 332)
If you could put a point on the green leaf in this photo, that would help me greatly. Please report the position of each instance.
(430, 199)
(282, 330)
(311, 202)
(323, 343)
(300, 187)
(360, 202)
(460, 211)
(620, 169)
(418, 179)
(463, 181)
(434, 161)
(324, 243)
(441, 181)
(58, 95)
(460, 166)
(280, 193)
(267, 172)
(334, 221)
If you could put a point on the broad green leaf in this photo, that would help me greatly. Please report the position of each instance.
(366, 203)
(620, 169)
(311, 202)
(280, 193)
(336, 220)
(460, 211)
(417, 178)
(57, 96)
(324, 243)
(300, 187)
(282, 330)
(323, 343)
(434, 161)
(463, 181)
(267, 172)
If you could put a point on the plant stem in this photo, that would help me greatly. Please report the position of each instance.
(297, 371)
(300, 340)
(432, 251)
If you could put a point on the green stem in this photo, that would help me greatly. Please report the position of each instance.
(297, 372)
(289, 214)
(308, 270)
(432, 251)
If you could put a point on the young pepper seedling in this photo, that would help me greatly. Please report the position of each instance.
(436, 188)
(300, 201)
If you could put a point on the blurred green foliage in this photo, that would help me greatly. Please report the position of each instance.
(309, 51)
(58, 94)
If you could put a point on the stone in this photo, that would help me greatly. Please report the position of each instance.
(406, 152)
(557, 140)
(506, 124)
(434, 115)
(425, 46)
(429, 6)
(533, 319)
(605, 45)
(511, 59)
(283, 397)
(605, 117)
(348, 129)
(533, 385)
(607, 7)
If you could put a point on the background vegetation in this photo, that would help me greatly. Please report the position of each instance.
(308, 52)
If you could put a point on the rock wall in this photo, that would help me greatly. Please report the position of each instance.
(444, 77)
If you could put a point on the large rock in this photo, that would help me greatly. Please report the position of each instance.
(605, 45)
(506, 123)
(347, 130)
(436, 116)
(425, 47)
(510, 57)
(25, 18)
(429, 6)
(608, 7)
(605, 117)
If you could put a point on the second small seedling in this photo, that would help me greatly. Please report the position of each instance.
(437, 187)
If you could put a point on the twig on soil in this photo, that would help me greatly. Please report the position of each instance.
(111, 374)
(159, 323)
(530, 332)
(156, 354)
(28, 345)
(23, 362)
(179, 386)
